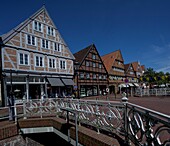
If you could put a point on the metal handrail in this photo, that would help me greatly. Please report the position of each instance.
(138, 124)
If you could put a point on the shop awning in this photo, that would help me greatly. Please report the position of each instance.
(55, 82)
(136, 84)
(130, 84)
(122, 85)
(68, 82)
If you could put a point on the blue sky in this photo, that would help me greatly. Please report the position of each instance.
(139, 28)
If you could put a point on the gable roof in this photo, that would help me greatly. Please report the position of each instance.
(110, 58)
(80, 55)
(127, 67)
(135, 66)
(143, 68)
(9, 35)
(6, 37)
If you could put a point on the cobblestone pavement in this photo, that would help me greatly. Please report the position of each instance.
(157, 103)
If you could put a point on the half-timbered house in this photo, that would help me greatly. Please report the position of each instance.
(90, 72)
(36, 61)
(114, 64)
(132, 79)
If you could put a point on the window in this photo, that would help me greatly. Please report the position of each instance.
(94, 76)
(94, 64)
(45, 44)
(87, 75)
(81, 75)
(57, 46)
(23, 59)
(93, 56)
(104, 77)
(50, 31)
(52, 63)
(37, 26)
(39, 61)
(100, 65)
(62, 64)
(87, 63)
(100, 77)
(31, 40)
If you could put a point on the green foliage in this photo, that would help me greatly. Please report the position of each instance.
(154, 77)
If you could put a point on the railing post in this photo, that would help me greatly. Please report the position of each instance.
(15, 112)
(125, 101)
(24, 107)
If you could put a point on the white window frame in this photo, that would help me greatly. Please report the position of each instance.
(104, 77)
(31, 39)
(100, 65)
(94, 56)
(64, 64)
(87, 63)
(50, 31)
(81, 75)
(94, 76)
(45, 41)
(94, 64)
(39, 56)
(38, 28)
(24, 53)
(56, 46)
(87, 75)
(53, 63)
(100, 76)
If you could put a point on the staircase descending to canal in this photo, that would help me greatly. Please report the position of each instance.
(91, 122)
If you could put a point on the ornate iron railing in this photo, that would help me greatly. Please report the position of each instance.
(139, 125)
(101, 115)
(153, 92)
(147, 127)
